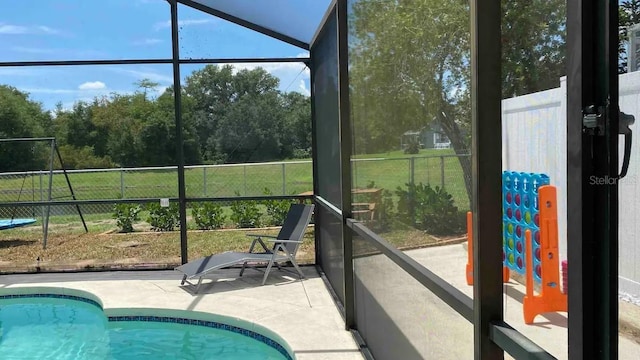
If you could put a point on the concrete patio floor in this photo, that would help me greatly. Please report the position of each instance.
(305, 315)
(548, 330)
(302, 313)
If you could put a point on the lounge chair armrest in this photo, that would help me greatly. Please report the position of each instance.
(261, 235)
(258, 240)
(285, 241)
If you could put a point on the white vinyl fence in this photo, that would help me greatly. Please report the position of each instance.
(534, 135)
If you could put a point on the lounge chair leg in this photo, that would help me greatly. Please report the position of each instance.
(199, 283)
(266, 272)
(243, 267)
(295, 265)
(184, 279)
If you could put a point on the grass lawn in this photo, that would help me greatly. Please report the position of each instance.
(386, 170)
(68, 247)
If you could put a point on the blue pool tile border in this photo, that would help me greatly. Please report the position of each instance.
(166, 319)
(54, 296)
(211, 324)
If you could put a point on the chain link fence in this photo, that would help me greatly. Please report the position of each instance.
(132, 194)
(216, 181)
(443, 171)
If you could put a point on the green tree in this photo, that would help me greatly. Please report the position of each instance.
(146, 85)
(297, 125)
(251, 130)
(82, 158)
(229, 107)
(211, 92)
(120, 118)
(75, 127)
(190, 141)
(21, 117)
(410, 68)
(409, 65)
(629, 14)
(533, 45)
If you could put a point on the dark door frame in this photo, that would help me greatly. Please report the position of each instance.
(592, 219)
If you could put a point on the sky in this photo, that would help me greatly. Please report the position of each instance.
(33, 30)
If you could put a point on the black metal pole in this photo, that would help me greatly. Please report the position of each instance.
(486, 95)
(49, 197)
(177, 97)
(610, 256)
(345, 160)
(592, 220)
(99, 62)
(66, 177)
(314, 158)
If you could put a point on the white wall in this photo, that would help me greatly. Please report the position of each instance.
(534, 137)
(629, 190)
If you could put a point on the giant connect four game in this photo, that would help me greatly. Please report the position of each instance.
(520, 212)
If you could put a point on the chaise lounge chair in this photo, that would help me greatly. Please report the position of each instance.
(285, 247)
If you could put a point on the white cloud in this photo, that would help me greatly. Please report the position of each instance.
(47, 91)
(75, 93)
(288, 73)
(292, 68)
(92, 85)
(303, 88)
(150, 41)
(188, 22)
(48, 30)
(10, 29)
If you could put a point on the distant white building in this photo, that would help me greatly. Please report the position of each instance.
(430, 137)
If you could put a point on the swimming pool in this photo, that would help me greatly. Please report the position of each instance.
(45, 325)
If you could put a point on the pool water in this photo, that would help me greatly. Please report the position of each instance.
(64, 329)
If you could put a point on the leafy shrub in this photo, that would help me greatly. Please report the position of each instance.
(163, 218)
(301, 153)
(276, 209)
(126, 215)
(429, 209)
(384, 209)
(245, 213)
(83, 158)
(413, 147)
(208, 215)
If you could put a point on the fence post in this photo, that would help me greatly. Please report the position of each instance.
(412, 170)
(204, 181)
(33, 188)
(41, 195)
(442, 171)
(244, 167)
(412, 202)
(121, 183)
(42, 199)
(284, 180)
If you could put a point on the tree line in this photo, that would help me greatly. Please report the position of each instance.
(410, 66)
(228, 117)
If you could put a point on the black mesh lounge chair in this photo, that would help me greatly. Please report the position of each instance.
(285, 247)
